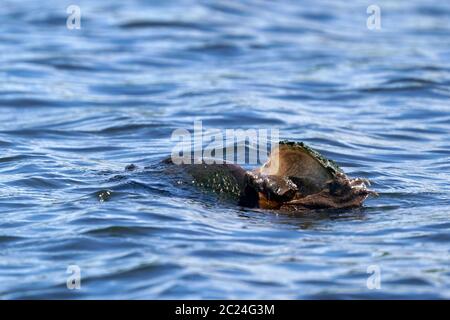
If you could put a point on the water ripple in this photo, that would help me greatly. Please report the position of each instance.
(87, 116)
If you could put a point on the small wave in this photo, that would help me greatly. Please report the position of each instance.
(7, 239)
(118, 231)
(144, 24)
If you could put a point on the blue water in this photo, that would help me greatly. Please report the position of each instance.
(78, 106)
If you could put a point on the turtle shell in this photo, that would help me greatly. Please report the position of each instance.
(306, 168)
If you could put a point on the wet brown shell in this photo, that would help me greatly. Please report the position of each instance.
(296, 177)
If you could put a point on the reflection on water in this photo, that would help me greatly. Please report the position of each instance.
(78, 106)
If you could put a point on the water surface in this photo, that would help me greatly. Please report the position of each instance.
(78, 106)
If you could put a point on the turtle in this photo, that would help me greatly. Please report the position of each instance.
(295, 178)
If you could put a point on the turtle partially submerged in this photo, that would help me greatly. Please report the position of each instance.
(294, 178)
